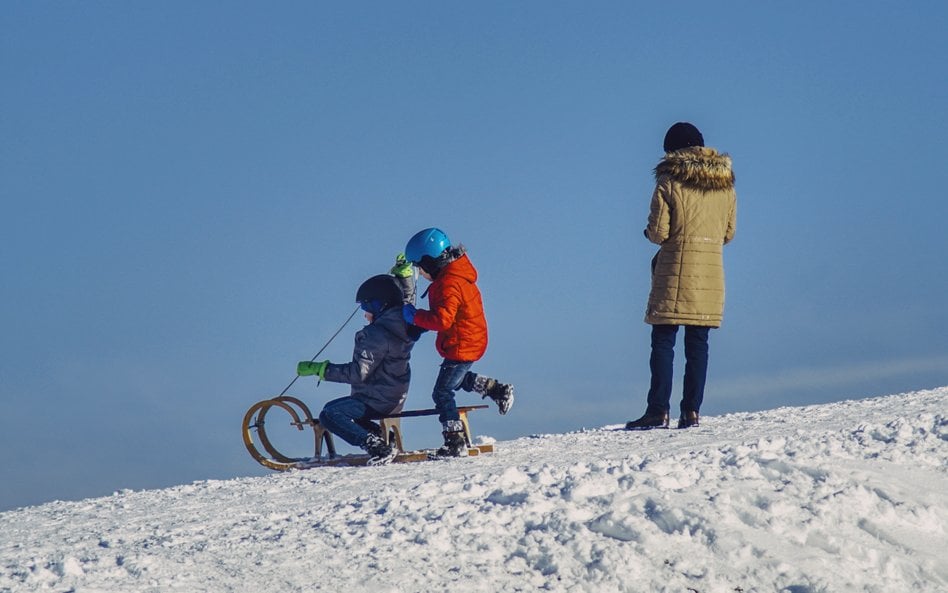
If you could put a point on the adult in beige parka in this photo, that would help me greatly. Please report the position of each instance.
(693, 215)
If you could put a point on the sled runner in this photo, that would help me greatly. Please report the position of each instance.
(255, 420)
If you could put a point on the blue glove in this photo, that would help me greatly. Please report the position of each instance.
(408, 312)
(307, 368)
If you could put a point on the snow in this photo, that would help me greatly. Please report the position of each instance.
(850, 496)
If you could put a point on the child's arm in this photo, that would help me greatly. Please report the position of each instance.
(405, 276)
(370, 349)
(444, 309)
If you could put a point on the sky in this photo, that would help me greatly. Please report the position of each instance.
(190, 194)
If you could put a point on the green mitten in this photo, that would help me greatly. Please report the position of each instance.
(402, 267)
(307, 368)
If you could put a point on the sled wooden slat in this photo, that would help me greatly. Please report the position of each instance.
(391, 425)
(361, 460)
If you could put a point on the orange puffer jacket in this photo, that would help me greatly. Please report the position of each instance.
(456, 312)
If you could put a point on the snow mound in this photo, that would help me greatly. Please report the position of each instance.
(851, 496)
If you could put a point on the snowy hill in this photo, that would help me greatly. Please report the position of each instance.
(851, 496)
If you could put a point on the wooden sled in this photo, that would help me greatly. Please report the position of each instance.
(255, 420)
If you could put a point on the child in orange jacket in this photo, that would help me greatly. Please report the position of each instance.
(457, 314)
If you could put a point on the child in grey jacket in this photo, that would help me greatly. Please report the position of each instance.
(379, 372)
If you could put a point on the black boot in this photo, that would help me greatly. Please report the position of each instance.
(380, 452)
(648, 422)
(454, 445)
(688, 419)
(373, 427)
(503, 396)
(501, 393)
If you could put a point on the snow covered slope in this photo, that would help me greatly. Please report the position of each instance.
(850, 496)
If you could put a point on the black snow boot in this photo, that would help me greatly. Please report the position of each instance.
(454, 445)
(373, 427)
(688, 419)
(648, 422)
(501, 393)
(380, 452)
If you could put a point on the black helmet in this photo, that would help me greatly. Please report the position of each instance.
(383, 289)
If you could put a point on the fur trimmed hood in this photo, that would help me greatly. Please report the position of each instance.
(697, 167)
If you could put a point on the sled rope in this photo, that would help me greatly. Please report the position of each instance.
(313, 359)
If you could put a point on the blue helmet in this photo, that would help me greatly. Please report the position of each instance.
(431, 242)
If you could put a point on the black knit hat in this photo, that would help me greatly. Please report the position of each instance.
(682, 135)
(382, 288)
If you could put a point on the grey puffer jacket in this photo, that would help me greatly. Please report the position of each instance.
(379, 372)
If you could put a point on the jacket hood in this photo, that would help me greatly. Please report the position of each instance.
(697, 167)
(461, 267)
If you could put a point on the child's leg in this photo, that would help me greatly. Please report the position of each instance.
(370, 425)
(501, 393)
(344, 417)
(450, 376)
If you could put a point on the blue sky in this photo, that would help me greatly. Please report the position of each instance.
(192, 192)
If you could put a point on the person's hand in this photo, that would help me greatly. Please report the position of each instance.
(402, 267)
(307, 368)
(408, 313)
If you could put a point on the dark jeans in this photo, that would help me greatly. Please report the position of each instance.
(662, 361)
(349, 419)
(454, 375)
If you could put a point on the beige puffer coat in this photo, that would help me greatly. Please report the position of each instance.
(693, 215)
